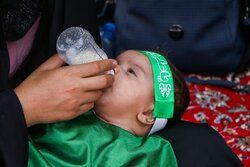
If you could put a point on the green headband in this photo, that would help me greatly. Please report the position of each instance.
(163, 85)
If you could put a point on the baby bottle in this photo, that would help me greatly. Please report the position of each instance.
(75, 45)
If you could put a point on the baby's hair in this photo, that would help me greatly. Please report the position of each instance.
(181, 92)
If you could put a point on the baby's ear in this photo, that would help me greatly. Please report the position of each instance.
(146, 117)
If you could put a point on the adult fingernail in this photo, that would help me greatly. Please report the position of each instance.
(114, 63)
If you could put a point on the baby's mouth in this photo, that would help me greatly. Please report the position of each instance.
(116, 70)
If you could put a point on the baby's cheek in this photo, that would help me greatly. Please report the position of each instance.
(103, 99)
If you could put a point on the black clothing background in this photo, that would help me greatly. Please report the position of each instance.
(17, 21)
(199, 145)
(57, 15)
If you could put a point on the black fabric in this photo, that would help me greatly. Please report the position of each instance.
(13, 136)
(18, 20)
(8, 4)
(4, 61)
(57, 15)
(199, 145)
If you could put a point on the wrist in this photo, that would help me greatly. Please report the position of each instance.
(29, 120)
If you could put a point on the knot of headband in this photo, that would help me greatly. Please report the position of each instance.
(163, 90)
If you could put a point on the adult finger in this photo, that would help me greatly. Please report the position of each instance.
(90, 96)
(97, 82)
(93, 68)
(84, 108)
(53, 62)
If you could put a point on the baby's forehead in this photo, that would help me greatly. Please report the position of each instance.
(131, 55)
(136, 58)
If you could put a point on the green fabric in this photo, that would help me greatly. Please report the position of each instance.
(88, 141)
(163, 85)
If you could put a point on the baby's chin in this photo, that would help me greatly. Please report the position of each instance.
(103, 103)
(104, 98)
(98, 111)
(99, 103)
(96, 105)
(100, 100)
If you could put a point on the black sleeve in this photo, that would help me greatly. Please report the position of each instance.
(199, 145)
(13, 138)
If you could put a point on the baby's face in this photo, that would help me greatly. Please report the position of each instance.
(132, 89)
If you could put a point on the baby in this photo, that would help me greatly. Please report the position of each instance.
(130, 102)
(148, 93)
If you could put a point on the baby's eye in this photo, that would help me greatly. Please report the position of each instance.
(131, 71)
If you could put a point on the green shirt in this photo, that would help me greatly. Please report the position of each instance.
(88, 141)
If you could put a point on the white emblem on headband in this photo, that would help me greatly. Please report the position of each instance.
(164, 74)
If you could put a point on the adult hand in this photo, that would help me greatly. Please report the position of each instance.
(53, 93)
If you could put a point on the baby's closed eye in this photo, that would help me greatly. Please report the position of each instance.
(131, 71)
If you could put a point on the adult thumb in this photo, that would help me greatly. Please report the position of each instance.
(53, 62)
